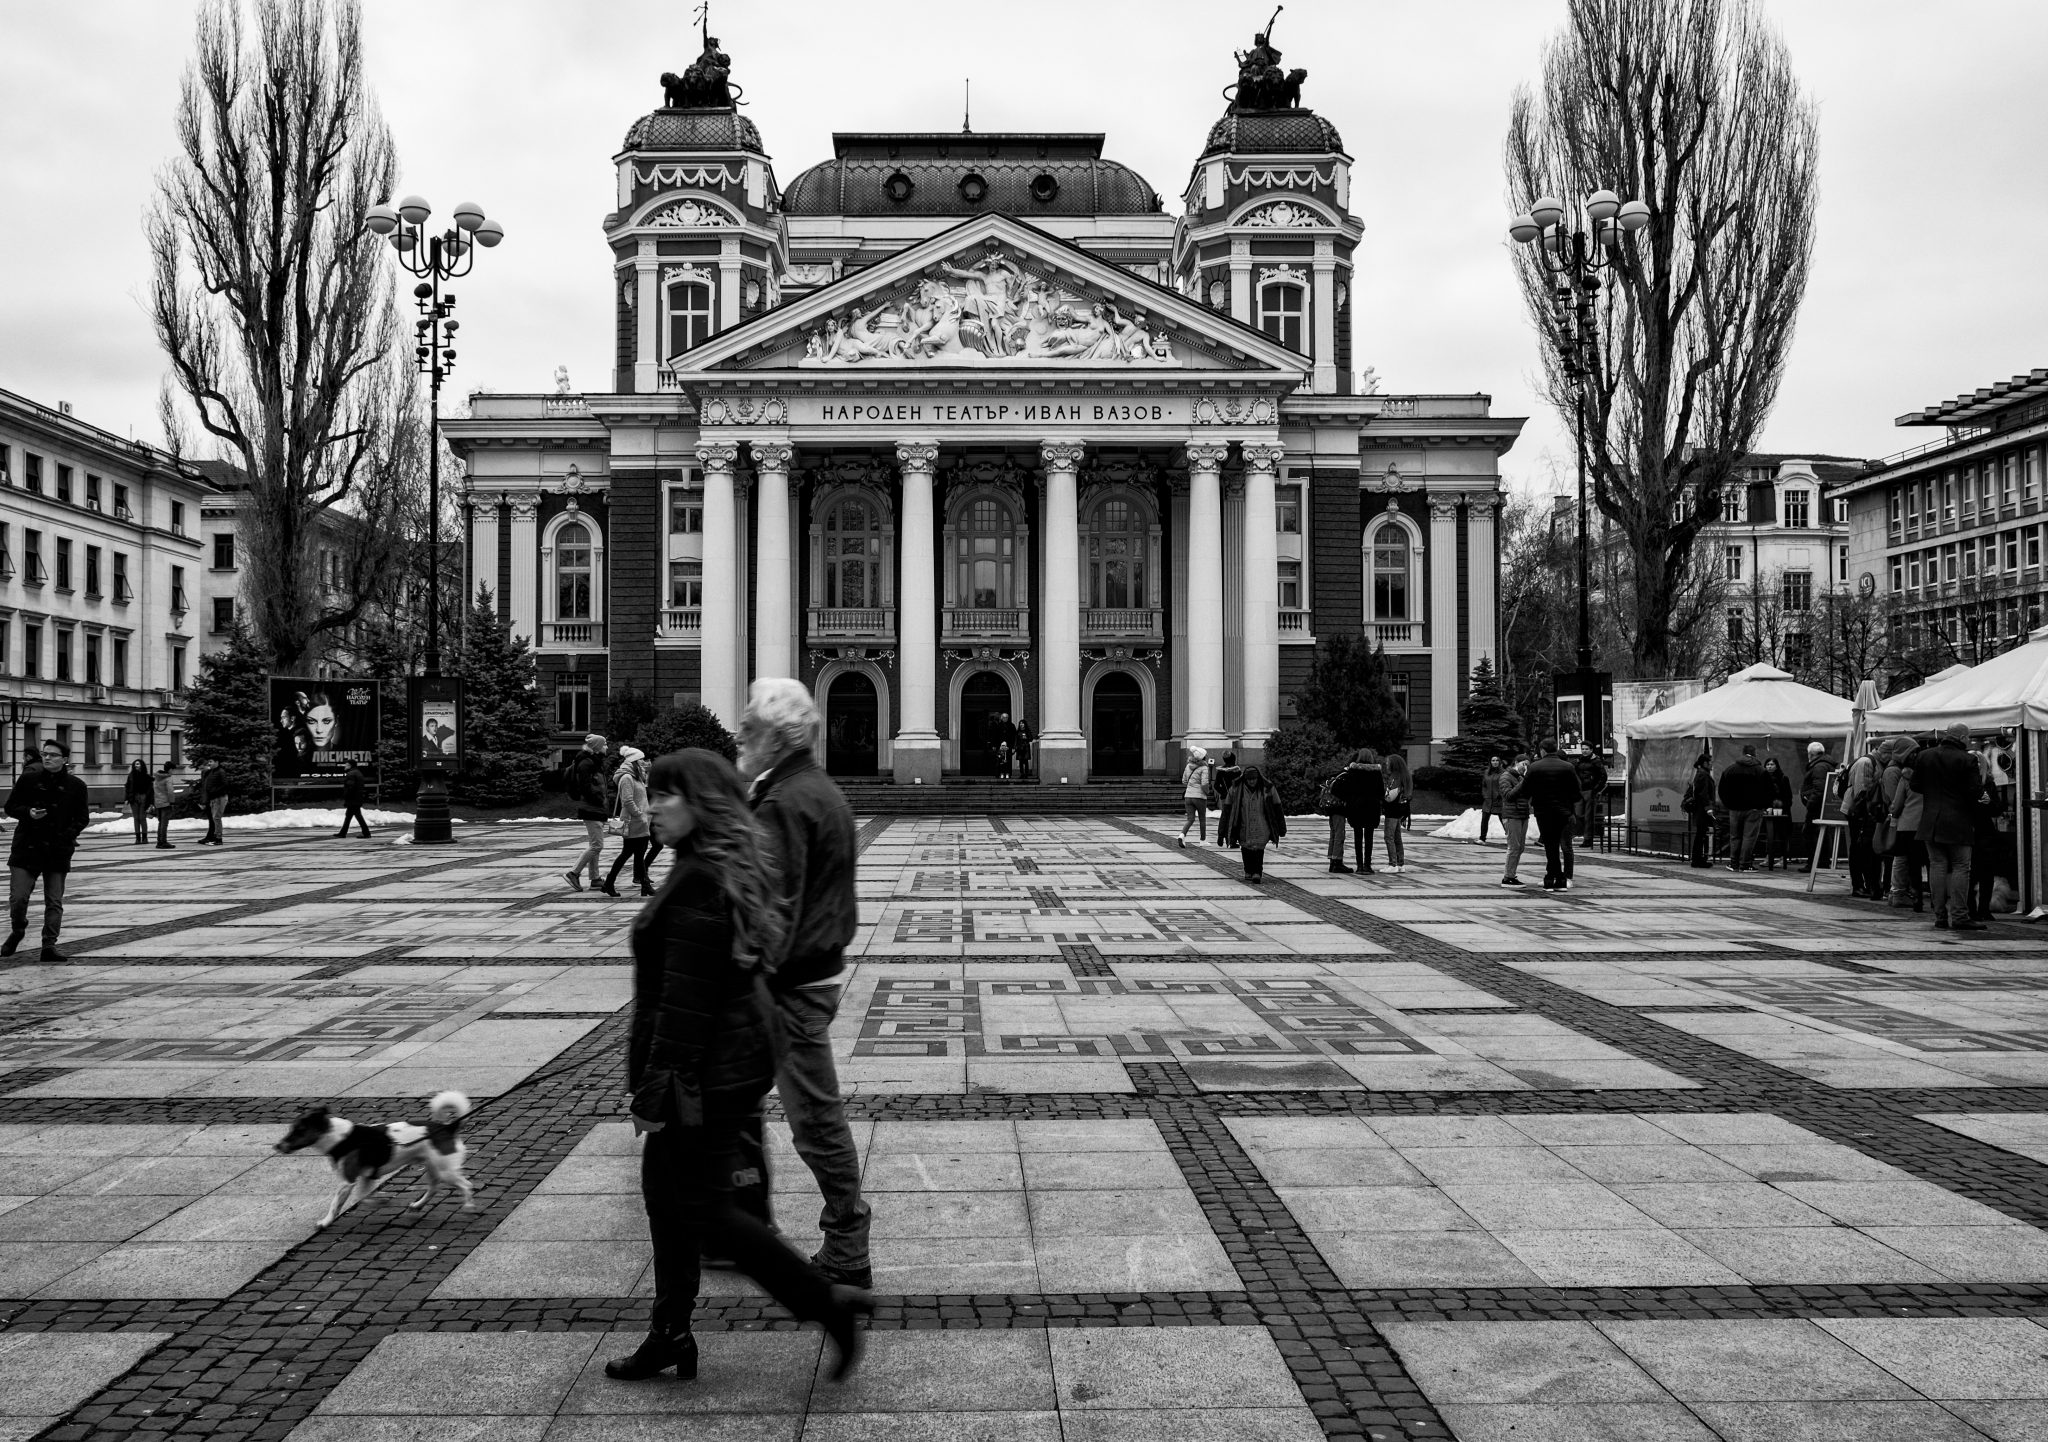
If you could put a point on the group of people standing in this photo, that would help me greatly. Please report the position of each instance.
(1368, 794)
(1249, 814)
(1554, 791)
(157, 795)
(1929, 820)
(1757, 796)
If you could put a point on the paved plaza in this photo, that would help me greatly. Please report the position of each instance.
(1153, 1154)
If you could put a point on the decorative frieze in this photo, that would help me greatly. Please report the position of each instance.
(1236, 411)
(688, 215)
(744, 411)
(1285, 215)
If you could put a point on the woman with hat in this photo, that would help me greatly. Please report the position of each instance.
(1196, 777)
(631, 783)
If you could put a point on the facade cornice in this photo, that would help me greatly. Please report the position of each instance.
(1967, 449)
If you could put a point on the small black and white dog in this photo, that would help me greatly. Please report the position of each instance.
(365, 1157)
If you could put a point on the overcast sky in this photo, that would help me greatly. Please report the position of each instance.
(1928, 279)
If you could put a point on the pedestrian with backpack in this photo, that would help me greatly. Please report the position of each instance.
(585, 785)
(1196, 776)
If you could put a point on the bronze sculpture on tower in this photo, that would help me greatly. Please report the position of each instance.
(1261, 82)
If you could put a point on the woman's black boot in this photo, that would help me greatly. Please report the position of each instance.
(657, 1354)
(850, 1304)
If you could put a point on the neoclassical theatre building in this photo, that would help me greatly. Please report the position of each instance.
(961, 424)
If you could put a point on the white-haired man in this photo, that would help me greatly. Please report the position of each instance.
(810, 827)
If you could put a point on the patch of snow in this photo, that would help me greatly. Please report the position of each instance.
(289, 819)
(536, 821)
(1465, 827)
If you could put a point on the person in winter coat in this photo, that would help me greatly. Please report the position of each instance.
(1777, 827)
(1813, 791)
(699, 1061)
(212, 791)
(1360, 791)
(1397, 797)
(1593, 784)
(51, 807)
(1514, 818)
(1950, 782)
(1227, 777)
(1196, 774)
(1903, 806)
(1698, 806)
(586, 788)
(353, 788)
(1251, 821)
(163, 796)
(1861, 812)
(1745, 792)
(1489, 794)
(136, 792)
(1987, 858)
(632, 785)
(1553, 792)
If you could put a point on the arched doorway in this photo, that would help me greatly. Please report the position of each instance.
(1116, 733)
(983, 696)
(853, 726)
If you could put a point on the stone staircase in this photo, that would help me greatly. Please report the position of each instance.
(977, 796)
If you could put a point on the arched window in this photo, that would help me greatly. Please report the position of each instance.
(572, 572)
(689, 316)
(853, 554)
(1390, 573)
(985, 555)
(1117, 535)
(1282, 307)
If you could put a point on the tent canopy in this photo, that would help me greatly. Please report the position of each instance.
(1759, 701)
(2009, 690)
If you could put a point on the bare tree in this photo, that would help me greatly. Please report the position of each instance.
(274, 304)
(1691, 106)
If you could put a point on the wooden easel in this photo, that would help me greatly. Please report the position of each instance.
(1828, 829)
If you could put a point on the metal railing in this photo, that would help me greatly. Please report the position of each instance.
(853, 621)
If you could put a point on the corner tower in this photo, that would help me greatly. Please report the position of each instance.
(697, 240)
(1268, 233)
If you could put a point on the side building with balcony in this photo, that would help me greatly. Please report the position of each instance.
(100, 572)
(1781, 542)
(1953, 532)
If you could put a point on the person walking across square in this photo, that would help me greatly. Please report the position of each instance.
(352, 789)
(50, 807)
(1360, 790)
(1553, 792)
(585, 786)
(809, 833)
(1196, 776)
(164, 797)
(136, 791)
(632, 787)
(212, 790)
(1489, 795)
(1251, 820)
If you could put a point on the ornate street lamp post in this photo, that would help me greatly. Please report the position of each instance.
(1578, 252)
(447, 256)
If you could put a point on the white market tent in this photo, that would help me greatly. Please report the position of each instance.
(1758, 701)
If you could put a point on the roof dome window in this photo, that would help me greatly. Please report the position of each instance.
(973, 189)
(899, 187)
(1044, 187)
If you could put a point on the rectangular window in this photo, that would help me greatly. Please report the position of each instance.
(177, 518)
(1842, 566)
(31, 738)
(92, 570)
(177, 668)
(92, 491)
(1969, 561)
(1913, 573)
(31, 650)
(64, 737)
(1948, 563)
(178, 601)
(1734, 563)
(224, 551)
(6, 553)
(1988, 549)
(92, 746)
(122, 591)
(63, 564)
(1796, 591)
(2033, 548)
(572, 703)
(117, 743)
(1290, 585)
(62, 640)
(120, 660)
(92, 659)
(1798, 650)
(2030, 478)
(1983, 481)
(2012, 551)
(1397, 682)
(6, 465)
(1287, 510)
(177, 748)
(1897, 502)
(32, 557)
(685, 585)
(121, 502)
(6, 637)
(1732, 499)
(32, 471)
(1283, 313)
(2008, 486)
(64, 484)
(223, 613)
(1898, 574)
(1948, 502)
(685, 513)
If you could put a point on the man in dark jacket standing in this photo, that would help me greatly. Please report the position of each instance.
(1746, 793)
(1813, 792)
(1593, 787)
(50, 805)
(352, 798)
(809, 829)
(586, 789)
(212, 793)
(1949, 779)
(1553, 792)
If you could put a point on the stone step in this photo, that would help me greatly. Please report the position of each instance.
(972, 796)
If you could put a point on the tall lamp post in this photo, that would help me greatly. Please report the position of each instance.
(1578, 252)
(447, 256)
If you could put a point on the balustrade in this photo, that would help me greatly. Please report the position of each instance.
(874, 622)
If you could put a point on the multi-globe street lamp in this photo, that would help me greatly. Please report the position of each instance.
(1578, 252)
(435, 258)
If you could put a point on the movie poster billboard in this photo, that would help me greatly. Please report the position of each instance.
(319, 729)
(437, 722)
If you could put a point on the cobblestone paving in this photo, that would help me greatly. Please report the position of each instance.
(1153, 1153)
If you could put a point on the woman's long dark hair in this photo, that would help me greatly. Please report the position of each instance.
(729, 841)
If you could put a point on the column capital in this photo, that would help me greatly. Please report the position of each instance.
(1264, 456)
(525, 508)
(774, 456)
(719, 456)
(1062, 455)
(1206, 455)
(917, 456)
(1443, 506)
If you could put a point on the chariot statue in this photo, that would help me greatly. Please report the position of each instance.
(1262, 84)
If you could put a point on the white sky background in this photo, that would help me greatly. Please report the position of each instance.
(1928, 279)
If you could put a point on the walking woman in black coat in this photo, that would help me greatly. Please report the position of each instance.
(701, 1057)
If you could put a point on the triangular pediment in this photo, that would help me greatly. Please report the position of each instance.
(993, 294)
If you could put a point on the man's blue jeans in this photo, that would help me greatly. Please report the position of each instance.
(1948, 879)
(808, 1085)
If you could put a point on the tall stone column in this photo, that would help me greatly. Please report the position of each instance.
(1443, 621)
(483, 549)
(719, 659)
(1482, 576)
(1205, 595)
(646, 320)
(1062, 746)
(1261, 599)
(1323, 318)
(917, 754)
(525, 608)
(774, 575)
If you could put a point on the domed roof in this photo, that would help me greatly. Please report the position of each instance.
(1273, 132)
(968, 174)
(694, 130)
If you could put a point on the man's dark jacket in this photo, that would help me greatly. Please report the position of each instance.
(1746, 786)
(586, 786)
(1552, 785)
(810, 829)
(137, 787)
(214, 783)
(46, 845)
(1949, 778)
(1814, 789)
(1361, 794)
(352, 787)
